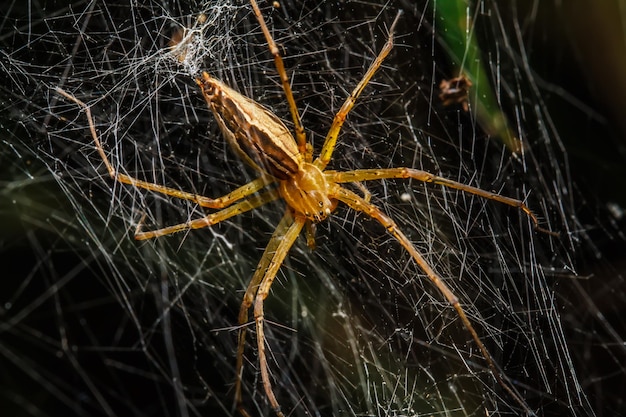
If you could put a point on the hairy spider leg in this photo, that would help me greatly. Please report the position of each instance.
(248, 300)
(277, 259)
(258, 289)
(284, 79)
(210, 219)
(359, 204)
(403, 173)
(214, 203)
(340, 117)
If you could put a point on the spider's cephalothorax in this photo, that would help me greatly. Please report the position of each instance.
(308, 193)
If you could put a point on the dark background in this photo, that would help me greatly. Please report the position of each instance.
(58, 295)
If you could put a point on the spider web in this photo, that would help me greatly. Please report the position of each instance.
(95, 323)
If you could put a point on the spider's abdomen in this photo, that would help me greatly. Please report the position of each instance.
(253, 131)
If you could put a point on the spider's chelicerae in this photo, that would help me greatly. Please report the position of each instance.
(310, 191)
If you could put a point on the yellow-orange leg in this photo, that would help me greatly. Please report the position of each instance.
(340, 117)
(283, 238)
(379, 174)
(284, 79)
(215, 203)
(248, 299)
(210, 219)
(264, 289)
(359, 204)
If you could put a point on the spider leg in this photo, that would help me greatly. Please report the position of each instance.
(284, 79)
(378, 174)
(264, 288)
(340, 117)
(211, 219)
(273, 257)
(248, 299)
(359, 204)
(215, 203)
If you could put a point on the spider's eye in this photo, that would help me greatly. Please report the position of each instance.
(321, 204)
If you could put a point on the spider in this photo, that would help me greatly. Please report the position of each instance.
(455, 90)
(311, 192)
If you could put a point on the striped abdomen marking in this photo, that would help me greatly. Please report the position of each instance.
(252, 130)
